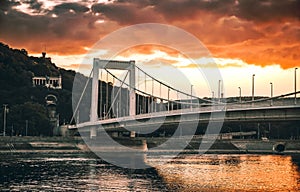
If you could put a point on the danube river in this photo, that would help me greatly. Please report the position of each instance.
(82, 172)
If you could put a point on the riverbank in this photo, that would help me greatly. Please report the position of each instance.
(77, 144)
(40, 143)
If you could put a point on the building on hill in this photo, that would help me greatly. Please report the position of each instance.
(50, 82)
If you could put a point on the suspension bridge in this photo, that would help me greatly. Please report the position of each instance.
(142, 105)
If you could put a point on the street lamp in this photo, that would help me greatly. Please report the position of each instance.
(191, 97)
(219, 91)
(271, 84)
(253, 89)
(296, 85)
(4, 118)
(26, 127)
(168, 99)
(240, 92)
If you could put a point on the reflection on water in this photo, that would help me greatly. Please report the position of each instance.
(81, 172)
(230, 172)
(72, 172)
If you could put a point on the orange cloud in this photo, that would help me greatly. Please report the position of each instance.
(149, 49)
(257, 32)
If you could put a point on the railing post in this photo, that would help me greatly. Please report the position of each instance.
(253, 89)
(168, 99)
(240, 94)
(271, 94)
(219, 91)
(295, 86)
(191, 107)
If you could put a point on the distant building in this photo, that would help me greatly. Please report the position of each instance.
(50, 82)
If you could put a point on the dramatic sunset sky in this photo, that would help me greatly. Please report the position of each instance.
(243, 36)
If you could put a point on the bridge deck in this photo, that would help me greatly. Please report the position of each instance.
(205, 114)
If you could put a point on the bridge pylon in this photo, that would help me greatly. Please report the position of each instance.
(111, 64)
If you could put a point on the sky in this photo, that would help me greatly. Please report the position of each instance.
(244, 37)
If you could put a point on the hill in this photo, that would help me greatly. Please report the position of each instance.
(25, 102)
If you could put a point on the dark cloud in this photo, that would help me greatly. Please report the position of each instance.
(6, 5)
(65, 34)
(267, 10)
(34, 4)
(256, 10)
(257, 31)
(176, 10)
(139, 3)
(66, 7)
(132, 11)
(127, 12)
(22, 26)
(123, 13)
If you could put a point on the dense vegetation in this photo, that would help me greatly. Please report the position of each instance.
(25, 102)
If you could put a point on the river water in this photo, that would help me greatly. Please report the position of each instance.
(83, 172)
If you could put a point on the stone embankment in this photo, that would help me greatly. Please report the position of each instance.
(40, 143)
(77, 144)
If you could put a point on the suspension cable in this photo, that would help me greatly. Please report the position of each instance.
(115, 98)
(81, 96)
(147, 94)
(189, 95)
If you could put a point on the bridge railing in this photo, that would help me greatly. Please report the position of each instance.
(209, 107)
(281, 100)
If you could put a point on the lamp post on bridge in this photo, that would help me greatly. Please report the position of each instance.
(219, 91)
(253, 89)
(296, 85)
(4, 118)
(191, 97)
(240, 93)
(271, 84)
(26, 127)
(168, 99)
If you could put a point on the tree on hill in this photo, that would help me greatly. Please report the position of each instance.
(32, 114)
(25, 101)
